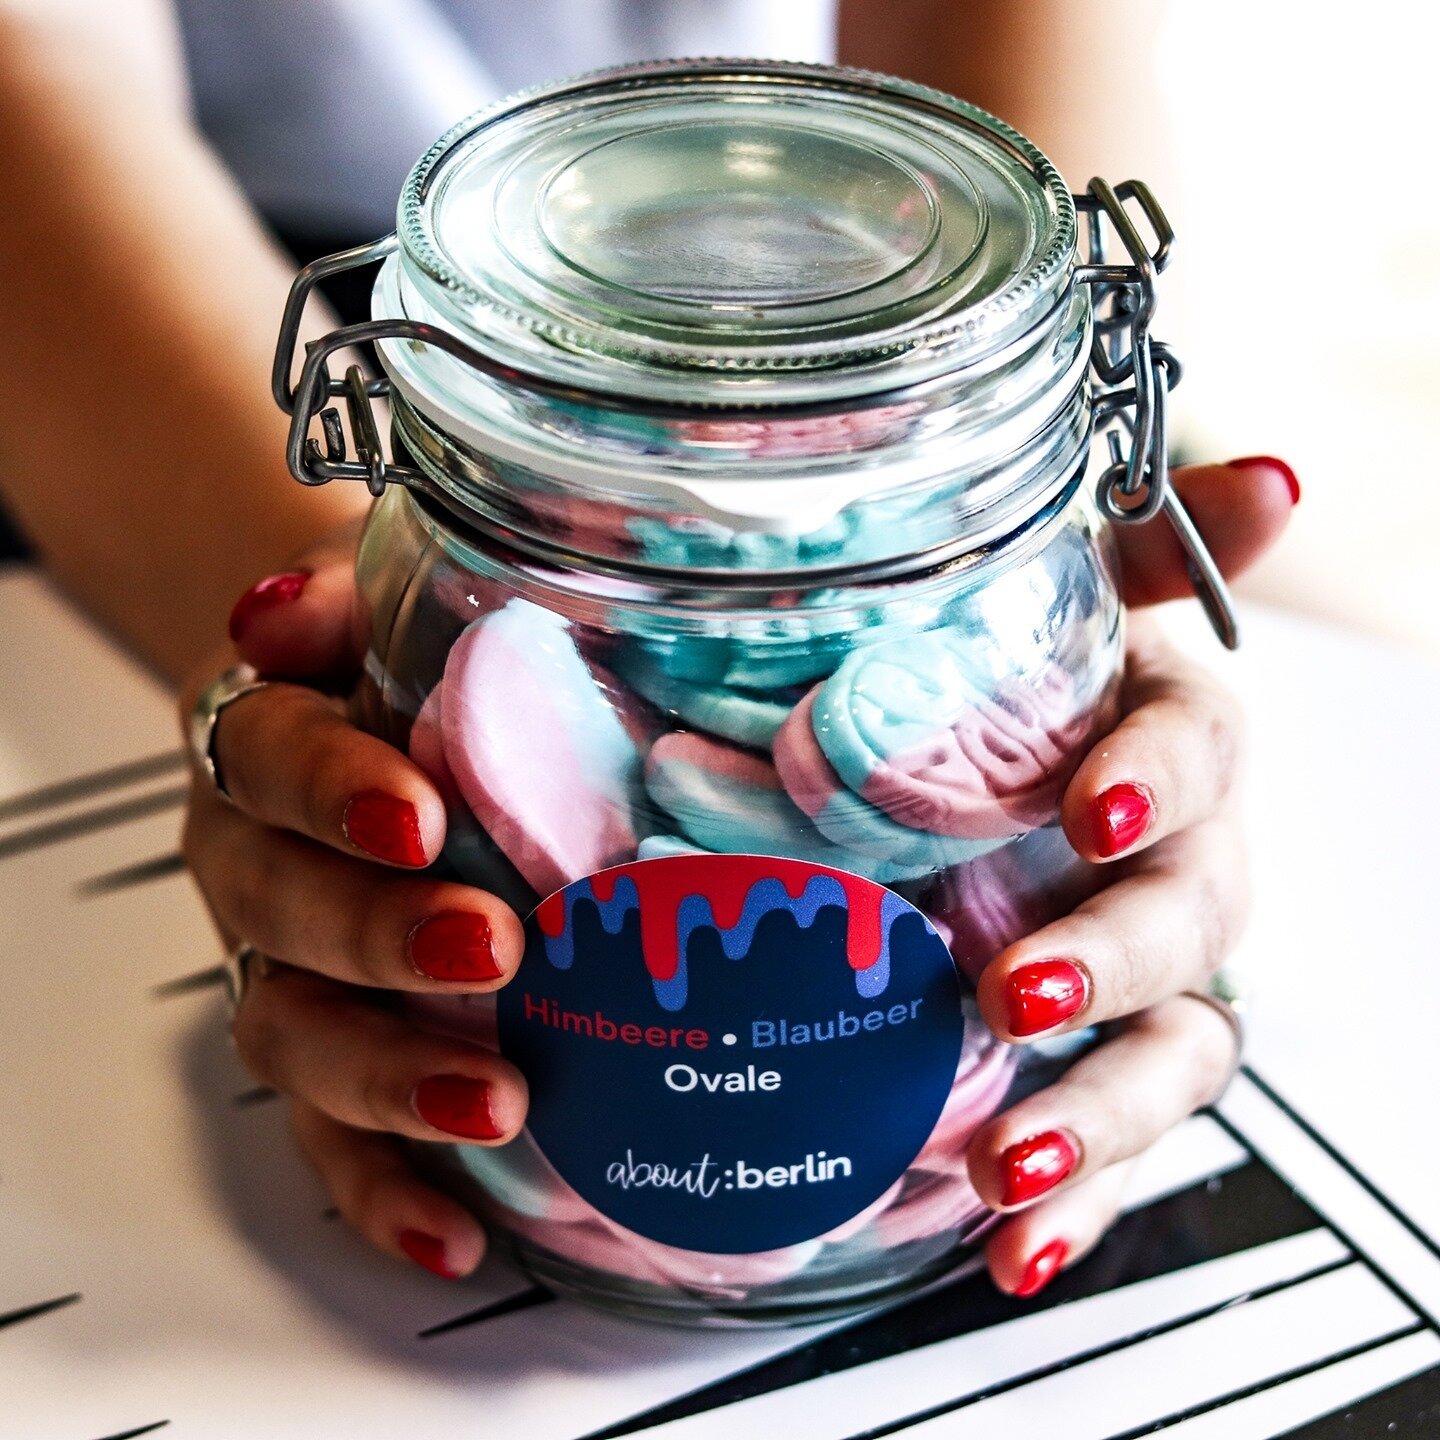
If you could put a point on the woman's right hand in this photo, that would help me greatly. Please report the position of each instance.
(312, 865)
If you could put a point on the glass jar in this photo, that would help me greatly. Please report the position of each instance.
(737, 580)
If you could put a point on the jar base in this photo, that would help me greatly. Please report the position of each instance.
(636, 1300)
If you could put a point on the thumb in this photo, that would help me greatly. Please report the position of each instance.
(1240, 509)
(303, 621)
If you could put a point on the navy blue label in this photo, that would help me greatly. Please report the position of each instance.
(732, 1053)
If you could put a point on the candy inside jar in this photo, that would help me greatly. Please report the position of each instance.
(738, 579)
(576, 732)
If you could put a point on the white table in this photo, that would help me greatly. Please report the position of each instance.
(168, 1266)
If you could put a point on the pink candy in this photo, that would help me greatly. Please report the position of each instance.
(536, 750)
(999, 769)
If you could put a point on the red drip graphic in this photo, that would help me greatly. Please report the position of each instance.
(551, 915)
(664, 885)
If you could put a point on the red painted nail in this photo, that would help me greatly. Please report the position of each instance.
(457, 1105)
(454, 945)
(385, 826)
(1123, 813)
(1271, 462)
(1036, 1165)
(272, 591)
(1044, 1266)
(426, 1250)
(1043, 994)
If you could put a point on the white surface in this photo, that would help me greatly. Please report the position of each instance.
(1241, 1346)
(1343, 811)
(866, 1396)
(217, 1297)
(1275, 1411)
(52, 727)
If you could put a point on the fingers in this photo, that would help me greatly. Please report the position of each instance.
(303, 621)
(1115, 1102)
(290, 759)
(379, 1194)
(1166, 925)
(334, 1048)
(1171, 761)
(1240, 510)
(1033, 1246)
(309, 906)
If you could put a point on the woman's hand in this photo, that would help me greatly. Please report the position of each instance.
(1154, 800)
(308, 866)
(311, 865)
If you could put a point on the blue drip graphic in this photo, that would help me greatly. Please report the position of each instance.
(695, 913)
(560, 949)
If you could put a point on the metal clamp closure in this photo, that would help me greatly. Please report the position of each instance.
(1135, 375)
(309, 463)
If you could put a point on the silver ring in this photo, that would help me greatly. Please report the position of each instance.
(225, 689)
(1226, 997)
(242, 965)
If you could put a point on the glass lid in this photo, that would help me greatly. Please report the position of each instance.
(662, 229)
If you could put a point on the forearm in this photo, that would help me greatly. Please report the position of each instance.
(139, 448)
(1076, 76)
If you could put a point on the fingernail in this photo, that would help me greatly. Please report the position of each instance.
(454, 945)
(457, 1105)
(1044, 1266)
(273, 590)
(1043, 994)
(1270, 462)
(1036, 1165)
(385, 826)
(1123, 813)
(426, 1250)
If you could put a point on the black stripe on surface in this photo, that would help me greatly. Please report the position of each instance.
(1298, 1372)
(33, 1312)
(96, 783)
(160, 868)
(188, 984)
(1384, 1276)
(1407, 1411)
(1099, 1352)
(511, 1305)
(1222, 1216)
(87, 823)
(143, 1430)
(1366, 1184)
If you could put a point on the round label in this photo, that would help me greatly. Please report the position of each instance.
(732, 1053)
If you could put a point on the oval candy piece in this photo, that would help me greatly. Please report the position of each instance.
(912, 728)
(847, 818)
(470, 852)
(733, 712)
(731, 801)
(537, 749)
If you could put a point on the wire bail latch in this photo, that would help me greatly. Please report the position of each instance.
(1135, 374)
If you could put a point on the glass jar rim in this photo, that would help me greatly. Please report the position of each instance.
(681, 598)
(1017, 273)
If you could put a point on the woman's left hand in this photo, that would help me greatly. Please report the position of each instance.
(1155, 800)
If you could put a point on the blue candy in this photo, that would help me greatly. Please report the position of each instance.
(749, 717)
(732, 802)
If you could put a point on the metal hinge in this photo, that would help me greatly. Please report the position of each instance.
(1135, 374)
